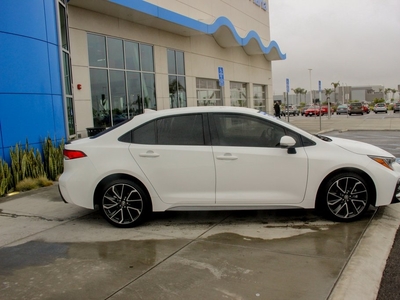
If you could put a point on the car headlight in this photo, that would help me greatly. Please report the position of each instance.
(384, 161)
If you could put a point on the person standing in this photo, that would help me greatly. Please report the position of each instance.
(277, 109)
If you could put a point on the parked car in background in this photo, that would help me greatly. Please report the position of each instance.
(213, 158)
(380, 107)
(290, 110)
(312, 111)
(355, 108)
(366, 108)
(396, 107)
(342, 109)
(324, 110)
(303, 110)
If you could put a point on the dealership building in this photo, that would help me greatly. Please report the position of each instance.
(72, 65)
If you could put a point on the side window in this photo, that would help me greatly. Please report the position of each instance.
(245, 131)
(180, 130)
(145, 134)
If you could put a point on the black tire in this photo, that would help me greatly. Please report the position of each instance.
(344, 197)
(124, 203)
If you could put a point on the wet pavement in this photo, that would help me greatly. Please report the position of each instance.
(72, 253)
(53, 250)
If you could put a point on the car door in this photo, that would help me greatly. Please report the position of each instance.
(251, 167)
(177, 160)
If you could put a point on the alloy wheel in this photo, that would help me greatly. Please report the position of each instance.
(347, 198)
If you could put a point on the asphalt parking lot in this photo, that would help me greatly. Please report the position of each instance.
(53, 250)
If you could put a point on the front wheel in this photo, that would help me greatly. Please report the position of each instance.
(345, 197)
(124, 204)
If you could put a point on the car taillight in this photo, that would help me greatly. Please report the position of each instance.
(72, 154)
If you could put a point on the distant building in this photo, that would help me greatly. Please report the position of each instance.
(344, 94)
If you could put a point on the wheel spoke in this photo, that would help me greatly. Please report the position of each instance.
(122, 204)
(347, 197)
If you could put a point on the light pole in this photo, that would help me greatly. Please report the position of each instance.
(311, 100)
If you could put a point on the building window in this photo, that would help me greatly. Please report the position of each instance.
(208, 92)
(66, 61)
(176, 79)
(260, 101)
(122, 79)
(239, 94)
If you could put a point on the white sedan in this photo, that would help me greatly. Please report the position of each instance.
(223, 158)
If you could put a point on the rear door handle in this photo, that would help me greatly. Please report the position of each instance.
(149, 154)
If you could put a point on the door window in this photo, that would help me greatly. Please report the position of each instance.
(244, 131)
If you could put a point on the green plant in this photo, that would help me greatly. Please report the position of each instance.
(25, 162)
(5, 178)
(30, 183)
(53, 158)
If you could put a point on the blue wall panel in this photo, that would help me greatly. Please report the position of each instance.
(51, 21)
(26, 117)
(24, 65)
(25, 18)
(31, 97)
(54, 69)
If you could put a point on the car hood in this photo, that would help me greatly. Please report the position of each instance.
(359, 147)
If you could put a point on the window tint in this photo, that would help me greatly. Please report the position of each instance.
(180, 130)
(145, 134)
(245, 131)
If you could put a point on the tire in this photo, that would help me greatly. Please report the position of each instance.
(344, 197)
(124, 203)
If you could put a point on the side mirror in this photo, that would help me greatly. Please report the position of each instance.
(287, 141)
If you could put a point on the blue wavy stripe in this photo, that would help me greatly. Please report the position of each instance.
(170, 16)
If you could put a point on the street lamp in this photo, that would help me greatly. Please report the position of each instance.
(311, 100)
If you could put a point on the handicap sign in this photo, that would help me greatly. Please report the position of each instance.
(221, 76)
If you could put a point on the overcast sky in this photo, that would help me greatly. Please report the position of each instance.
(355, 42)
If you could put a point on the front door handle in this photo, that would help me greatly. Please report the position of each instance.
(227, 156)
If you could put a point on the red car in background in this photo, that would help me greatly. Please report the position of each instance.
(366, 108)
(312, 111)
(324, 110)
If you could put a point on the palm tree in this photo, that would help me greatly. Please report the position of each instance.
(394, 91)
(328, 92)
(335, 85)
(297, 91)
(387, 90)
(304, 92)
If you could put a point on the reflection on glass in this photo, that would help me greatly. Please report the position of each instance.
(97, 50)
(118, 97)
(177, 91)
(180, 63)
(100, 100)
(132, 56)
(260, 102)
(149, 91)
(208, 92)
(238, 94)
(115, 53)
(134, 94)
(171, 61)
(70, 116)
(146, 56)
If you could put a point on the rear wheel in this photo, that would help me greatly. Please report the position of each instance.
(345, 197)
(124, 204)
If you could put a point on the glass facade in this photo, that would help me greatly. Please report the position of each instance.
(176, 78)
(208, 92)
(66, 60)
(238, 94)
(260, 101)
(122, 79)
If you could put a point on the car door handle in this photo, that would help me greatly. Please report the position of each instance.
(149, 154)
(227, 156)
